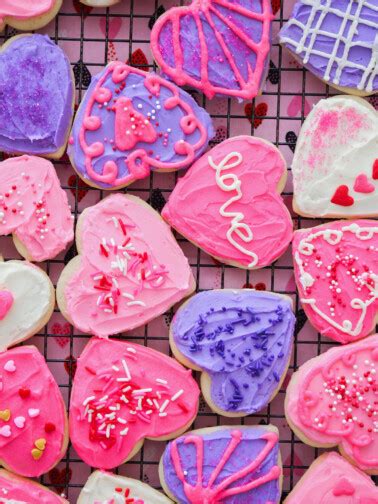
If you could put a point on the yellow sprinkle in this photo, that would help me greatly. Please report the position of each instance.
(40, 443)
(5, 415)
(36, 454)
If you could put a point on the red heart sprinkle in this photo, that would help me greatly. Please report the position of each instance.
(24, 392)
(49, 427)
(375, 170)
(342, 197)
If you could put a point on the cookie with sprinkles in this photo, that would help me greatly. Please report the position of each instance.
(336, 271)
(123, 393)
(131, 122)
(106, 487)
(18, 490)
(129, 269)
(337, 41)
(241, 341)
(33, 420)
(34, 208)
(333, 400)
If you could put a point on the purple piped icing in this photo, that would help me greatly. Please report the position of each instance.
(230, 465)
(337, 40)
(131, 122)
(242, 339)
(36, 96)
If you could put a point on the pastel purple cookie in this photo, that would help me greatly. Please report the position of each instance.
(241, 340)
(131, 122)
(230, 465)
(337, 41)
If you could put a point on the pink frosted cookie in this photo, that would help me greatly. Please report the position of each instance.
(123, 393)
(336, 270)
(229, 203)
(17, 490)
(28, 15)
(129, 269)
(335, 165)
(332, 400)
(27, 300)
(33, 422)
(34, 208)
(332, 480)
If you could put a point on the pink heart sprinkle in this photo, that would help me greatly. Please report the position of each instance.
(19, 422)
(5, 431)
(6, 302)
(33, 412)
(10, 366)
(362, 184)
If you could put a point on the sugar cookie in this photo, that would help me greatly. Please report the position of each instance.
(336, 271)
(28, 15)
(229, 203)
(241, 341)
(332, 400)
(228, 464)
(123, 393)
(335, 165)
(131, 122)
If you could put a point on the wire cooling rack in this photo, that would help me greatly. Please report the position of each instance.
(90, 38)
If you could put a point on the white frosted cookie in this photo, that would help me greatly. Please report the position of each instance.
(99, 3)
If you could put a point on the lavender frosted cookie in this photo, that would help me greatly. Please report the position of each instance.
(228, 464)
(131, 122)
(241, 341)
(337, 41)
(37, 96)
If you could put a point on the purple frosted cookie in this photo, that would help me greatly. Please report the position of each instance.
(228, 465)
(131, 122)
(241, 340)
(337, 40)
(36, 96)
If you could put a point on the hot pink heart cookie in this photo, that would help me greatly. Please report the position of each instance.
(229, 203)
(123, 393)
(129, 271)
(336, 271)
(28, 15)
(33, 423)
(332, 400)
(332, 480)
(34, 207)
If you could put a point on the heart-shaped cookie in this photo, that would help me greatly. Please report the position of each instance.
(29, 15)
(332, 479)
(229, 203)
(336, 41)
(36, 105)
(218, 46)
(333, 165)
(241, 340)
(27, 300)
(18, 490)
(123, 393)
(129, 271)
(225, 464)
(102, 486)
(26, 446)
(332, 400)
(336, 271)
(34, 207)
(131, 122)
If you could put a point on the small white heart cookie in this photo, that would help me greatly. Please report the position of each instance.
(27, 300)
(335, 165)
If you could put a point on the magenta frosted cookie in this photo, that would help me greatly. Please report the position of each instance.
(34, 208)
(331, 479)
(229, 464)
(332, 400)
(241, 341)
(336, 271)
(131, 122)
(123, 393)
(18, 490)
(129, 269)
(37, 104)
(229, 203)
(28, 15)
(220, 47)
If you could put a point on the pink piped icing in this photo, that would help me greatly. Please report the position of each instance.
(6, 302)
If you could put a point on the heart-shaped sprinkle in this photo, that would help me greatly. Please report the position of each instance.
(36, 453)
(5, 431)
(33, 412)
(24, 392)
(49, 427)
(343, 487)
(6, 302)
(40, 443)
(10, 366)
(342, 197)
(362, 184)
(5, 415)
(375, 170)
(19, 422)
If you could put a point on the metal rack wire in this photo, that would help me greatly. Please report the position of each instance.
(71, 473)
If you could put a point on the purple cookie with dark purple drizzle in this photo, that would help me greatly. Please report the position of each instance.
(228, 465)
(131, 122)
(241, 340)
(36, 96)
